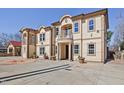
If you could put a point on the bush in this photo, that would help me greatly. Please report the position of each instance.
(5, 54)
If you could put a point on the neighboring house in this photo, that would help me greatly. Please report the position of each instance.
(83, 35)
(14, 48)
(3, 49)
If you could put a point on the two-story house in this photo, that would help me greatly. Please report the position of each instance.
(83, 35)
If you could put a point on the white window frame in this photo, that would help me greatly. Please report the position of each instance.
(76, 51)
(42, 37)
(76, 27)
(89, 25)
(90, 49)
(57, 31)
(42, 50)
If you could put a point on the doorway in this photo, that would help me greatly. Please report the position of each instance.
(66, 49)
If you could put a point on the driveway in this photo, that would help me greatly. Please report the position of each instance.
(63, 73)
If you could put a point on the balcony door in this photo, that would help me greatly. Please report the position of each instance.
(66, 32)
(66, 29)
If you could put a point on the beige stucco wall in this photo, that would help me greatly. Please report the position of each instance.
(24, 51)
(46, 43)
(97, 30)
(65, 21)
(47, 50)
(11, 46)
(24, 47)
(76, 35)
(76, 42)
(77, 38)
(83, 37)
(97, 56)
(31, 50)
(47, 37)
(97, 37)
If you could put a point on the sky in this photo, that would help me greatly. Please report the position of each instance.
(13, 19)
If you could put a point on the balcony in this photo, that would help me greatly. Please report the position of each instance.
(64, 36)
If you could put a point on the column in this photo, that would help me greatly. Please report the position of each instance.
(57, 51)
(69, 51)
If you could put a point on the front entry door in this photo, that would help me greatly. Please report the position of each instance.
(66, 51)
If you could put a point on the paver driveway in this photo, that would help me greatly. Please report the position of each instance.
(89, 73)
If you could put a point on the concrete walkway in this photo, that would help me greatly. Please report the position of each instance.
(89, 73)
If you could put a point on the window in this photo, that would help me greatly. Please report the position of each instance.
(66, 32)
(91, 25)
(42, 50)
(57, 31)
(76, 27)
(10, 50)
(76, 49)
(42, 37)
(91, 49)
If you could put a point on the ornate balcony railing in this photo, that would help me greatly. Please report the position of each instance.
(65, 35)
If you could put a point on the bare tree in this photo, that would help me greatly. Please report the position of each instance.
(119, 32)
(5, 38)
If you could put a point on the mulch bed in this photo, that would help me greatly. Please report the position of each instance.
(12, 62)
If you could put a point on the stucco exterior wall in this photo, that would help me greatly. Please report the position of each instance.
(31, 50)
(76, 42)
(24, 51)
(97, 30)
(97, 37)
(24, 46)
(13, 49)
(66, 21)
(97, 56)
(47, 50)
(47, 37)
(46, 43)
(83, 37)
(77, 35)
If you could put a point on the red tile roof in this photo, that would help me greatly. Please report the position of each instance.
(15, 43)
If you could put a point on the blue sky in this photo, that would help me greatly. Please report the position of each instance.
(12, 20)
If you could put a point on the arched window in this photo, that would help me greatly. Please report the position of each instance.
(76, 27)
(91, 25)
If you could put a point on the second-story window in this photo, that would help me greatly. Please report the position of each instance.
(91, 25)
(42, 37)
(76, 27)
(57, 31)
(66, 32)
